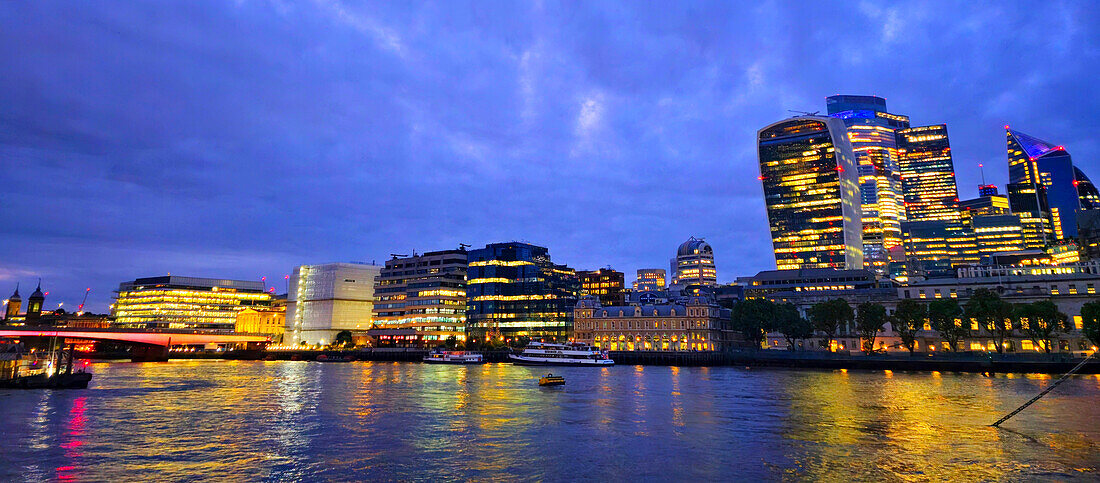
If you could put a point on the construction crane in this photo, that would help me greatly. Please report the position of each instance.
(80, 308)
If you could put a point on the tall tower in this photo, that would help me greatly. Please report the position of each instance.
(694, 264)
(927, 174)
(872, 133)
(1042, 188)
(34, 303)
(14, 304)
(811, 190)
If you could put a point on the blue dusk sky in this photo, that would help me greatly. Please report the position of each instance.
(238, 139)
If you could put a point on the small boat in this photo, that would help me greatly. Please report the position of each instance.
(41, 370)
(552, 380)
(453, 357)
(328, 358)
(547, 354)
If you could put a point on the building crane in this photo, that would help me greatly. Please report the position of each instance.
(80, 308)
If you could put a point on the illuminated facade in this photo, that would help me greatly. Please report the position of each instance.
(650, 280)
(262, 320)
(1088, 234)
(936, 247)
(34, 304)
(13, 304)
(426, 293)
(872, 133)
(514, 289)
(695, 323)
(997, 233)
(186, 302)
(693, 264)
(811, 190)
(605, 284)
(1043, 188)
(927, 174)
(323, 300)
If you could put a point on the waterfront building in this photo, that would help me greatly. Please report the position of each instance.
(34, 304)
(605, 284)
(872, 132)
(693, 264)
(692, 323)
(514, 289)
(811, 190)
(323, 300)
(12, 305)
(927, 174)
(185, 302)
(650, 280)
(262, 320)
(808, 280)
(424, 294)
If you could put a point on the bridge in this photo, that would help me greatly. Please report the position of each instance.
(148, 344)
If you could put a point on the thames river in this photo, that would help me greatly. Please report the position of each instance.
(231, 421)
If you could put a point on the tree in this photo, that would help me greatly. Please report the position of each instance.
(1090, 320)
(908, 318)
(793, 326)
(992, 314)
(870, 320)
(828, 316)
(754, 318)
(450, 342)
(343, 338)
(943, 315)
(1044, 321)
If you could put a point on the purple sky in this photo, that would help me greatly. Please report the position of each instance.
(240, 139)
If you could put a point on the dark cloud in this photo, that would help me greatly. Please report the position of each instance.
(239, 139)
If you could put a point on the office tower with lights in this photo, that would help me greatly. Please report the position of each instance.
(987, 190)
(323, 300)
(872, 133)
(811, 191)
(1043, 188)
(605, 284)
(514, 289)
(693, 264)
(927, 174)
(425, 293)
(186, 302)
(650, 280)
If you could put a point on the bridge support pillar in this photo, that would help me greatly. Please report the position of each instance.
(149, 353)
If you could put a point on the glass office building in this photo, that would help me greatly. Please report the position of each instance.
(927, 174)
(514, 289)
(425, 293)
(811, 191)
(872, 132)
(175, 302)
(1043, 186)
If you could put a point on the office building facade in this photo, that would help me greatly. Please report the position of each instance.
(650, 280)
(693, 323)
(514, 289)
(323, 300)
(811, 191)
(605, 284)
(693, 264)
(176, 302)
(425, 293)
(927, 174)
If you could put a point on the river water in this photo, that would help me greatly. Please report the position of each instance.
(232, 420)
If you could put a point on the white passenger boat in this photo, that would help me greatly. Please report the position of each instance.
(547, 354)
(453, 357)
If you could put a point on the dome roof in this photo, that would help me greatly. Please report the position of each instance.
(693, 246)
(38, 292)
(15, 296)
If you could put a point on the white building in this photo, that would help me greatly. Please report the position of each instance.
(323, 300)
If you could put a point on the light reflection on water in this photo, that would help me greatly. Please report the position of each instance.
(311, 421)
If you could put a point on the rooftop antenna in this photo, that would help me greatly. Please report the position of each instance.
(395, 255)
(981, 167)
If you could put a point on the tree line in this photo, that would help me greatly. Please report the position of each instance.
(1041, 321)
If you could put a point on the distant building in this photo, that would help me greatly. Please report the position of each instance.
(694, 323)
(693, 264)
(514, 289)
(34, 304)
(605, 284)
(650, 280)
(1044, 184)
(425, 293)
(262, 320)
(873, 134)
(12, 305)
(928, 174)
(324, 300)
(934, 247)
(1088, 234)
(812, 193)
(808, 280)
(186, 302)
(987, 190)
(997, 233)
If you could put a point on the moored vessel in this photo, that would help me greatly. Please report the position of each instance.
(552, 380)
(572, 354)
(453, 357)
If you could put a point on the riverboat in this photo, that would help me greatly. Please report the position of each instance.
(573, 354)
(552, 380)
(453, 357)
(40, 370)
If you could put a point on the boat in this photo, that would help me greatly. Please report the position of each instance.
(41, 370)
(328, 358)
(550, 354)
(453, 357)
(552, 380)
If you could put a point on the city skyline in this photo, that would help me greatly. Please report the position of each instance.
(114, 179)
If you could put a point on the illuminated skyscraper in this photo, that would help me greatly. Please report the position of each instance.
(650, 280)
(927, 174)
(186, 302)
(516, 290)
(694, 264)
(1043, 188)
(811, 190)
(872, 133)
